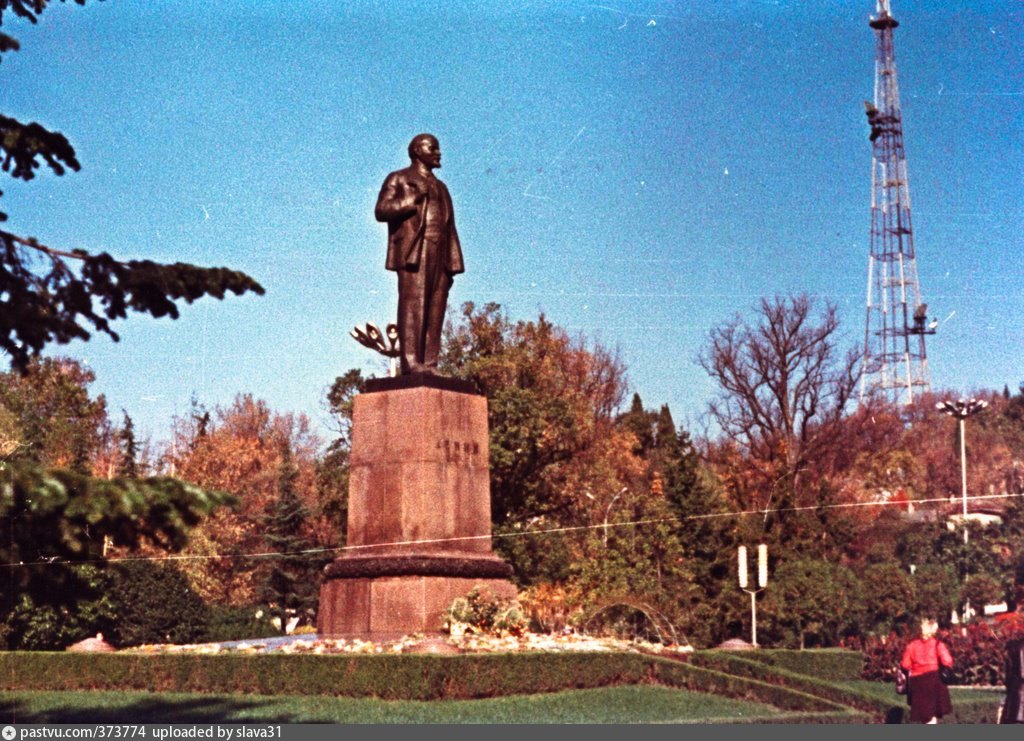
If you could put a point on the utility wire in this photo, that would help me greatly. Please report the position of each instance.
(524, 533)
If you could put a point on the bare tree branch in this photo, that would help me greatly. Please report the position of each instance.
(784, 389)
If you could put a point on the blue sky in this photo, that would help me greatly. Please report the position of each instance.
(638, 171)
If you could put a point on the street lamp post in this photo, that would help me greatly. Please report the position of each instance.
(608, 511)
(762, 582)
(962, 409)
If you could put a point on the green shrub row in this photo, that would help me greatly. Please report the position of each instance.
(131, 603)
(750, 665)
(846, 716)
(888, 709)
(706, 679)
(831, 664)
(407, 677)
(980, 710)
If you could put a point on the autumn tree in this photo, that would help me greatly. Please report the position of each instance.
(50, 295)
(621, 566)
(51, 419)
(641, 422)
(551, 399)
(57, 521)
(53, 520)
(238, 449)
(783, 392)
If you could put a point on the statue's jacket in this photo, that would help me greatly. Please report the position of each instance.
(397, 206)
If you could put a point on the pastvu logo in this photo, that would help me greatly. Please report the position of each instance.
(9, 733)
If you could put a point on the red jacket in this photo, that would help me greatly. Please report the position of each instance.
(924, 655)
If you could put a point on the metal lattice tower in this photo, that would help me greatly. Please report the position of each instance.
(895, 361)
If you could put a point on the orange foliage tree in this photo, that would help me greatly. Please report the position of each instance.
(239, 449)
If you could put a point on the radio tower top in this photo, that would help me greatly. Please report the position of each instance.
(895, 362)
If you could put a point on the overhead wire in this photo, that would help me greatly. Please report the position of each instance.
(56, 561)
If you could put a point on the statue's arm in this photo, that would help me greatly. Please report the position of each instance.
(396, 200)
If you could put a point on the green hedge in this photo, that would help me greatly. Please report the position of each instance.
(705, 679)
(980, 710)
(972, 711)
(832, 664)
(749, 665)
(884, 706)
(410, 677)
(847, 716)
(407, 677)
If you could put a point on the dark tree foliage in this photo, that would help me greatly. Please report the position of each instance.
(700, 524)
(290, 583)
(702, 527)
(49, 295)
(44, 627)
(52, 520)
(332, 472)
(154, 603)
(128, 465)
(340, 398)
(811, 602)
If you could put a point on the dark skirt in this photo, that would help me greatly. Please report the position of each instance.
(928, 698)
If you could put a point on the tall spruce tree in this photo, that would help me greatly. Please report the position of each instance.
(127, 464)
(290, 583)
(701, 525)
(639, 421)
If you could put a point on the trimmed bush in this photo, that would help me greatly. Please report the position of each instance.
(705, 679)
(834, 664)
(408, 677)
(980, 710)
(750, 665)
(154, 603)
(229, 623)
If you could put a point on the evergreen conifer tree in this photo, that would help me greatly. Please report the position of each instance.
(127, 464)
(705, 534)
(290, 584)
(639, 421)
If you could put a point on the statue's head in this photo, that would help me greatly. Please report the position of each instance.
(426, 149)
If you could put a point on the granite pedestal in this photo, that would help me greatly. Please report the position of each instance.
(419, 517)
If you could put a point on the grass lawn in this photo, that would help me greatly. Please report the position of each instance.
(970, 704)
(626, 704)
(884, 691)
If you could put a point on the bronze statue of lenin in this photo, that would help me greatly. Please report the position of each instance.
(423, 248)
